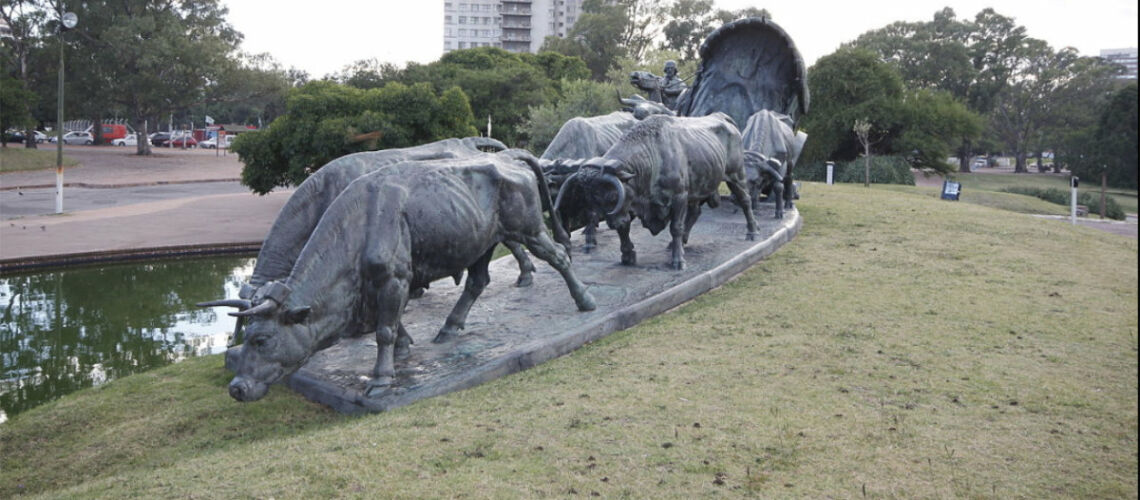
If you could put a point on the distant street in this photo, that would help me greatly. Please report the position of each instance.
(16, 203)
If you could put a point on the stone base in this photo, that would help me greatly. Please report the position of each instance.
(511, 329)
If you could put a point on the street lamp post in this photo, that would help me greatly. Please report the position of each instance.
(67, 20)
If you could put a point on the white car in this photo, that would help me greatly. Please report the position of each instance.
(129, 140)
(41, 137)
(212, 143)
(76, 138)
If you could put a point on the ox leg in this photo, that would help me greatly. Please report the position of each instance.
(403, 342)
(393, 297)
(778, 195)
(740, 197)
(628, 255)
(477, 279)
(677, 224)
(526, 267)
(691, 219)
(590, 232)
(789, 191)
(544, 248)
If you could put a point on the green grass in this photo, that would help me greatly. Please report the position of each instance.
(900, 347)
(997, 182)
(16, 158)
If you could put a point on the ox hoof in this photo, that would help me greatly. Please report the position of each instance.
(416, 293)
(629, 259)
(402, 352)
(525, 280)
(587, 303)
(378, 386)
(445, 335)
(753, 235)
(589, 247)
(677, 265)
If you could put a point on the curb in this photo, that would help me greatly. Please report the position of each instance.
(127, 255)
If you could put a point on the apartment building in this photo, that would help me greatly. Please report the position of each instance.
(1123, 57)
(513, 25)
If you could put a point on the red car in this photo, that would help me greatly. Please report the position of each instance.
(177, 142)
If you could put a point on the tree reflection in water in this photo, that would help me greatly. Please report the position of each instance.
(61, 331)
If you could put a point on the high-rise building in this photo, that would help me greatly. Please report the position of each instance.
(1123, 57)
(513, 25)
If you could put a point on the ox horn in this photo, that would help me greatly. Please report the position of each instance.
(262, 308)
(621, 193)
(241, 304)
(562, 190)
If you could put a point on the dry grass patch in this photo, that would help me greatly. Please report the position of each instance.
(899, 347)
(16, 159)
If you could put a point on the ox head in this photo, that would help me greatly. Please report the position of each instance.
(643, 80)
(278, 340)
(603, 184)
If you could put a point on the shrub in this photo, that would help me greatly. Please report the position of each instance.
(1063, 197)
(884, 170)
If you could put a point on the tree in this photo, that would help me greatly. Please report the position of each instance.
(1110, 151)
(325, 120)
(579, 98)
(862, 129)
(499, 84)
(934, 123)
(150, 57)
(25, 19)
(691, 21)
(847, 85)
(597, 37)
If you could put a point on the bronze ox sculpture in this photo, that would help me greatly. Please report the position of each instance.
(384, 235)
(661, 172)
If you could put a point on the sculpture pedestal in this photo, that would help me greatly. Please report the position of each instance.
(511, 329)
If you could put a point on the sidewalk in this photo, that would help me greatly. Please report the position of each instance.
(204, 224)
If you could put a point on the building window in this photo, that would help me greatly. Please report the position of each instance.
(462, 19)
(463, 45)
(447, 5)
(462, 32)
(447, 45)
(462, 6)
(447, 19)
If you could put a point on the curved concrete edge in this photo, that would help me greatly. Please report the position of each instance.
(89, 185)
(352, 402)
(134, 254)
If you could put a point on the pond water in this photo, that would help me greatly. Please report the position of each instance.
(65, 330)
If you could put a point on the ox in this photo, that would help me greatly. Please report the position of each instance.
(771, 135)
(578, 140)
(662, 171)
(386, 234)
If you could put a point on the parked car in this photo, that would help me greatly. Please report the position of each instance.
(212, 143)
(183, 141)
(41, 137)
(129, 140)
(159, 138)
(76, 138)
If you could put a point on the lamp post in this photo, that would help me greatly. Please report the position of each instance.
(67, 20)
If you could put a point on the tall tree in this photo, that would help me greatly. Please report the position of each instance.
(26, 23)
(597, 37)
(152, 57)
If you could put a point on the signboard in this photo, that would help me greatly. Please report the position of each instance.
(951, 190)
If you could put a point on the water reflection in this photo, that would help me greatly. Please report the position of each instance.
(62, 331)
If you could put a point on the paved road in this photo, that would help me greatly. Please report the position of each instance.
(16, 203)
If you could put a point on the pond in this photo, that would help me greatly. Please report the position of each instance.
(65, 330)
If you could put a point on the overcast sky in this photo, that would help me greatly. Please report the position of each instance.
(322, 37)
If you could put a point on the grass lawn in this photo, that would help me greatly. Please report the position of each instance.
(996, 182)
(900, 347)
(15, 158)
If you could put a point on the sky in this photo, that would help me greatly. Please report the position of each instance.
(324, 36)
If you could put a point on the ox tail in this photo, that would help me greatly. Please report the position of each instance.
(560, 234)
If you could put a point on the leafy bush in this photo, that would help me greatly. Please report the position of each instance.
(884, 170)
(1064, 197)
(324, 121)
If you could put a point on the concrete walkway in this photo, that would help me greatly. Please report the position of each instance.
(221, 222)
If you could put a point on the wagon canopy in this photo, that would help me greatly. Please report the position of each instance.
(748, 65)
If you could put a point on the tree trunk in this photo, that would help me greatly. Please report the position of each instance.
(97, 130)
(867, 166)
(1103, 188)
(1020, 164)
(143, 142)
(1041, 164)
(30, 138)
(965, 157)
